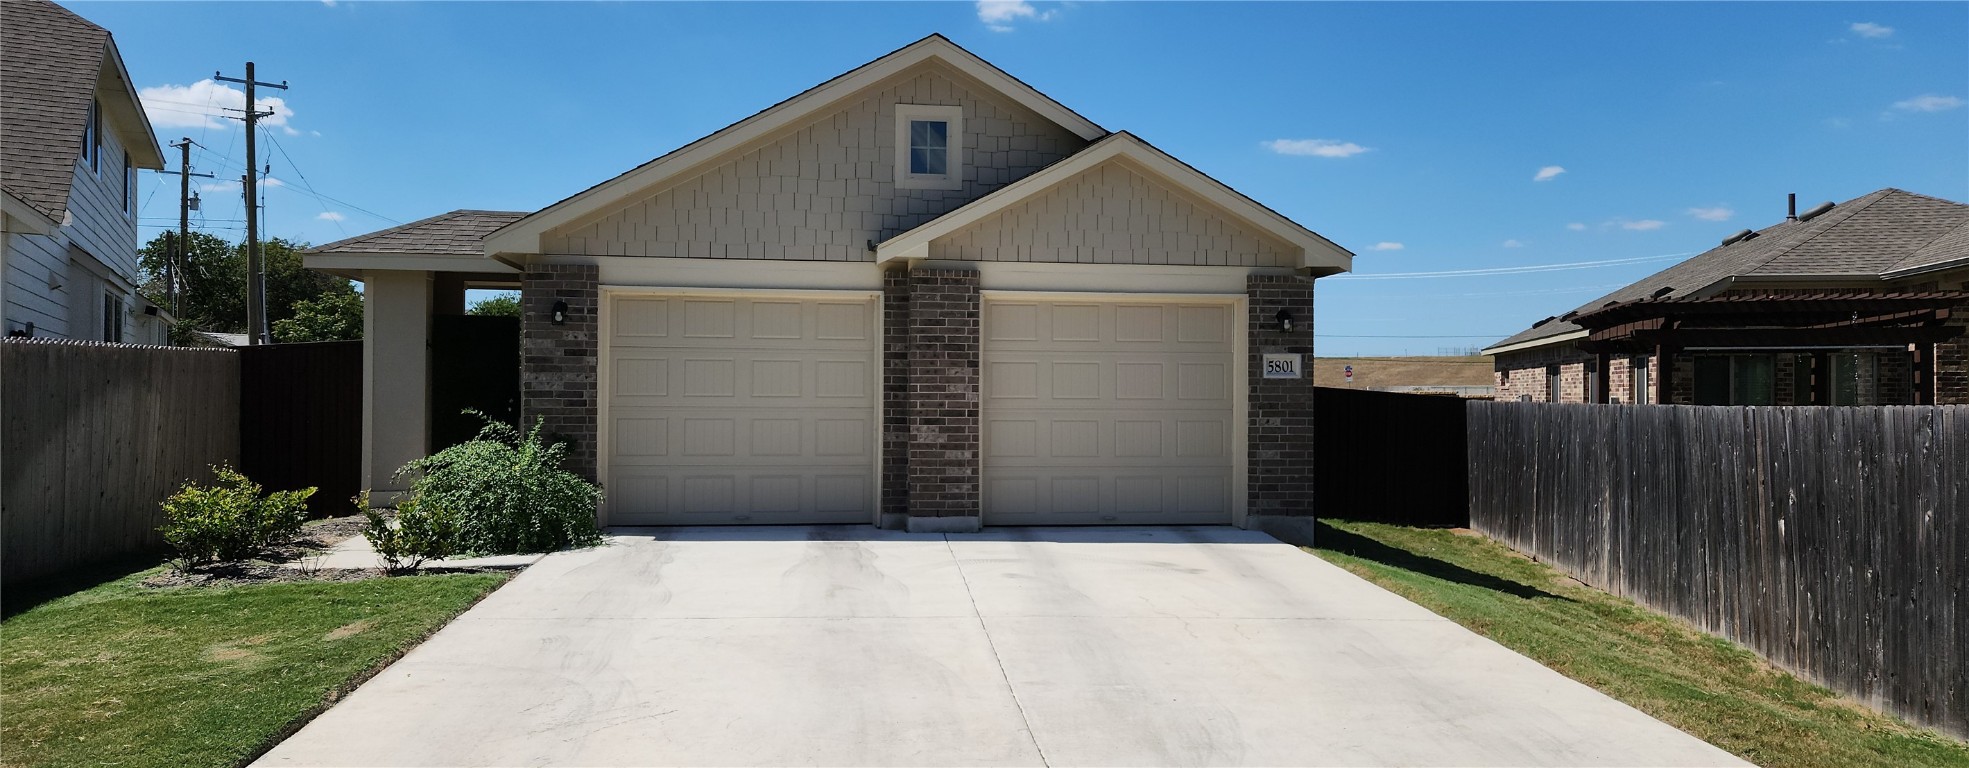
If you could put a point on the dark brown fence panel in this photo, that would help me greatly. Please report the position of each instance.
(94, 437)
(1831, 540)
(1389, 457)
(300, 422)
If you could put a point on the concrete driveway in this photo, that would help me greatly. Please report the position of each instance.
(856, 646)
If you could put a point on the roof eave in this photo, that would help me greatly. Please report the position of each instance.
(144, 151)
(1318, 255)
(34, 220)
(351, 264)
(1940, 266)
(1535, 343)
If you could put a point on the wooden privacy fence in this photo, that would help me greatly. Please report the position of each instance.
(94, 436)
(300, 419)
(1389, 457)
(1833, 541)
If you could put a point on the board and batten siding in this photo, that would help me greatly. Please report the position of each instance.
(1115, 214)
(97, 224)
(826, 189)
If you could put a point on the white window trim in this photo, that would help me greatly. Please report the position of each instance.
(953, 178)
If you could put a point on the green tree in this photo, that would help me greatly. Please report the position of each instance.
(500, 305)
(212, 282)
(335, 316)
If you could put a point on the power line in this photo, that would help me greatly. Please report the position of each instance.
(1528, 269)
(305, 183)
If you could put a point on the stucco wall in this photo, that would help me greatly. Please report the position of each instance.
(824, 190)
(1115, 214)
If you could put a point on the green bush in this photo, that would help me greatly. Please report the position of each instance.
(420, 534)
(507, 492)
(231, 521)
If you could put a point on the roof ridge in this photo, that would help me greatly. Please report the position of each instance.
(401, 227)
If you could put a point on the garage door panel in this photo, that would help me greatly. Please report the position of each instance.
(1116, 412)
(749, 410)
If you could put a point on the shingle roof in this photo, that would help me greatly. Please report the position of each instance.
(455, 233)
(1865, 238)
(49, 63)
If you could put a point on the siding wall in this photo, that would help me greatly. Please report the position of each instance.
(823, 191)
(99, 225)
(1114, 214)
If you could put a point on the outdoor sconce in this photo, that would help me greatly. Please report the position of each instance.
(560, 313)
(1284, 320)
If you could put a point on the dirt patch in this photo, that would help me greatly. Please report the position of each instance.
(348, 630)
(317, 536)
(241, 650)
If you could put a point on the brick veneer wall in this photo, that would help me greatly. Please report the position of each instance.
(558, 377)
(895, 396)
(1279, 477)
(1523, 373)
(1952, 372)
(943, 393)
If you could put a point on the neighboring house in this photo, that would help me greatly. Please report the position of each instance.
(921, 294)
(72, 139)
(1861, 303)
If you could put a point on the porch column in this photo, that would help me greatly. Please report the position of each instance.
(558, 364)
(396, 324)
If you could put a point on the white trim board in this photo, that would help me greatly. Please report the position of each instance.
(1316, 253)
(1535, 343)
(523, 236)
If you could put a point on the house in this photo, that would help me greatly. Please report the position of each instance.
(921, 294)
(1861, 303)
(72, 138)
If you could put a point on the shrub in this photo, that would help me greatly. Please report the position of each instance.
(508, 492)
(420, 534)
(232, 520)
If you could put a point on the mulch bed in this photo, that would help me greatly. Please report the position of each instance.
(316, 536)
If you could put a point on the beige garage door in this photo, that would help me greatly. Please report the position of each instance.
(740, 410)
(1107, 412)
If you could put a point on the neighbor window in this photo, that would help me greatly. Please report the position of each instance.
(1735, 379)
(129, 184)
(1643, 391)
(1551, 383)
(929, 147)
(112, 317)
(92, 135)
(1855, 378)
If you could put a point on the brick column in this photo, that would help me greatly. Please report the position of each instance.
(895, 398)
(943, 400)
(557, 369)
(1279, 469)
(1952, 372)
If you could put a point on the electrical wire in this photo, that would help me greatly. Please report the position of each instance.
(308, 185)
(1520, 270)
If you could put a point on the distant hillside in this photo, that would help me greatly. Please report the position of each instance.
(1472, 371)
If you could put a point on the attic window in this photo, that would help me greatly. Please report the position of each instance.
(929, 147)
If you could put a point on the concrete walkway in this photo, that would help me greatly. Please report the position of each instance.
(855, 646)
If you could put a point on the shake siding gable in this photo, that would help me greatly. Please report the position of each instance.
(1114, 214)
(823, 191)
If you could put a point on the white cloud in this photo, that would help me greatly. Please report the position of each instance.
(999, 15)
(1514, 244)
(203, 105)
(232, 184)
(1717, 213)
(1644, 225)
(1387, 246)
(1548, 173)
(1577, 226)
(329, 216)
(1871, 31)
(1315, 147)
(1929, 103)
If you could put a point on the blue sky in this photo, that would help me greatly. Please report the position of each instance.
(1427, 138)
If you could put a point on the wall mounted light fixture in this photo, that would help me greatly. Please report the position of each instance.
(1284, 317)
(560, 313)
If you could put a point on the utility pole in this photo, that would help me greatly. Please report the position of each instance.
(256, 278)
(182, 248)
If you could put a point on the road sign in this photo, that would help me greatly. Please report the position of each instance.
(1350, 374)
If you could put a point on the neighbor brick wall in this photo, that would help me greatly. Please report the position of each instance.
(557, 371)
(1952, 372)
(1523, 373)
(943, 393)
(895, 392)
(1279, 480)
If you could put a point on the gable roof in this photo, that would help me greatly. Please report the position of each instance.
(51, 62)
(1316, 252)
(523, 236)
(1882, 235)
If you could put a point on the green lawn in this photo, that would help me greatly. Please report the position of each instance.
(120, 674)
(1706, 686)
